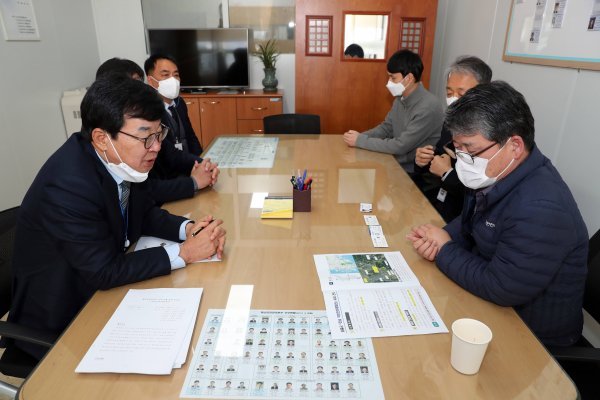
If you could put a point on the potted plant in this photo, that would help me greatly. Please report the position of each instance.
(268, 55)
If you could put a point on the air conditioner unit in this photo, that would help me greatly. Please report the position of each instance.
(70, 104)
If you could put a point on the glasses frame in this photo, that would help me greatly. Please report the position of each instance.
(471, 157)
(149, 140)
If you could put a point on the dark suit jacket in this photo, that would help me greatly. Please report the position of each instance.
(194, 146)
(430, 184)
(170, 177)
(70, 236)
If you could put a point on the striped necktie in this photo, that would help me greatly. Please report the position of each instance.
(124, 196)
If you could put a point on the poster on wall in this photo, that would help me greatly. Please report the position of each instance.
(18, 20)
(558, 13)
(594, 22)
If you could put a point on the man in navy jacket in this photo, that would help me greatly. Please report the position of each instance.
(86, 206)
(520, 240)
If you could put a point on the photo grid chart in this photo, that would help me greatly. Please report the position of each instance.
(287, 354)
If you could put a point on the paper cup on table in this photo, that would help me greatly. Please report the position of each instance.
(470, 339)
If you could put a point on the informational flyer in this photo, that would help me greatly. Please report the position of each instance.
(558, 13)
(374, 295)
(538, 18)
(594, 21)
(287, 354)
(244, 152)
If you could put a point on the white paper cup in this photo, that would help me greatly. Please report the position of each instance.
(470, 339)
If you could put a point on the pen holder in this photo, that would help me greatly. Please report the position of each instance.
(302, 200)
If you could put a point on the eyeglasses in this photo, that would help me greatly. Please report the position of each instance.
(470, 158)
(149, 140)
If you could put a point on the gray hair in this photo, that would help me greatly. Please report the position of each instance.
(471, 66)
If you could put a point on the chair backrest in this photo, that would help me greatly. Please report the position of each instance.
(8, 223)
(293, 123)
(591, 299)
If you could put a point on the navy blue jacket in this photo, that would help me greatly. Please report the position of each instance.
(170, 177)
(523, 243)
(70, 236)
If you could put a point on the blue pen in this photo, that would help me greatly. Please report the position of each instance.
(304, 176)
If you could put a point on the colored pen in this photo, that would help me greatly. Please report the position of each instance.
(200, 230)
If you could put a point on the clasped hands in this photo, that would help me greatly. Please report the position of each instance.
(208, 240)
(350, 138)
(427, 240)
(438, 165)
(205, 173)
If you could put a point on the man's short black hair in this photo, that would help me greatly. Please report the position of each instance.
(495, 110)
(119, 66)
(354, 50)
(113, 98)
(406, 62)
(150, 63)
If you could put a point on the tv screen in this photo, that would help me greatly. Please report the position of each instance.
(207, 58)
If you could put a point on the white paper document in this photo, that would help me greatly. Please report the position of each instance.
(147, 242)
(374, 295)
(371, 220)
(286, 355)
(149, 333)
(377, 236)
(366, 207)
(244, 152)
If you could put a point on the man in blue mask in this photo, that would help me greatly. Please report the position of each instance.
(86, 207)
(520, 240)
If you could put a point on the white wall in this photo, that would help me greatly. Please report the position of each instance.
(564, 101)
(121, 34)
(33, 76)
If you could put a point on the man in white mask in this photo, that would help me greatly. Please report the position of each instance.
(176, 174)
(163, 75)
(434, 166)
(520, 240)
(86, 206)
(415, 119)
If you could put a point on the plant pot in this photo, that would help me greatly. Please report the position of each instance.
(270, 81)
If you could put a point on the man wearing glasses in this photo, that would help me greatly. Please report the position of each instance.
(176, 174)
(520, 240)
(86, 207)
(434, 166)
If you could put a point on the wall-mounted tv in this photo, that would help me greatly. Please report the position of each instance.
(207, 58)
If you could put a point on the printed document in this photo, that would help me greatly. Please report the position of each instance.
(374, 295)
(149, 333)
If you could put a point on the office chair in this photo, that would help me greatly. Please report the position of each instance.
(582, 361)
(14, 362)
(292, 123)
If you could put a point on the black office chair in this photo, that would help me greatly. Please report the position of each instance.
(293, 123)
(14, 362)
(582, 361)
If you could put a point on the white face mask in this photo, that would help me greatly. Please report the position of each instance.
(168, 88)
(396, 89)
(123, 170)
(450, 100)
(473, 175)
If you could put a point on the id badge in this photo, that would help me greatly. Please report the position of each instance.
(441, 196)
(179, 146)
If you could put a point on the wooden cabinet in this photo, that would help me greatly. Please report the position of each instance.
(216, 114)
(217, 117)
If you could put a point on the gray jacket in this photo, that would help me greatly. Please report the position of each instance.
(414, 121)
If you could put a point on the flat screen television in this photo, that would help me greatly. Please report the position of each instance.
(207, 58)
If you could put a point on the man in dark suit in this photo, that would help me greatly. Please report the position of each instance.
(176, 174)
(86, 206)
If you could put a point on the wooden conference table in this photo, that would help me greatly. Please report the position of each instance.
(276, 256)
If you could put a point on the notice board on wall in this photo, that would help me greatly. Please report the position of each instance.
(562, 33)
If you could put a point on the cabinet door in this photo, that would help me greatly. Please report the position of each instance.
(258, 107)
(218, 117)
(194, 115)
